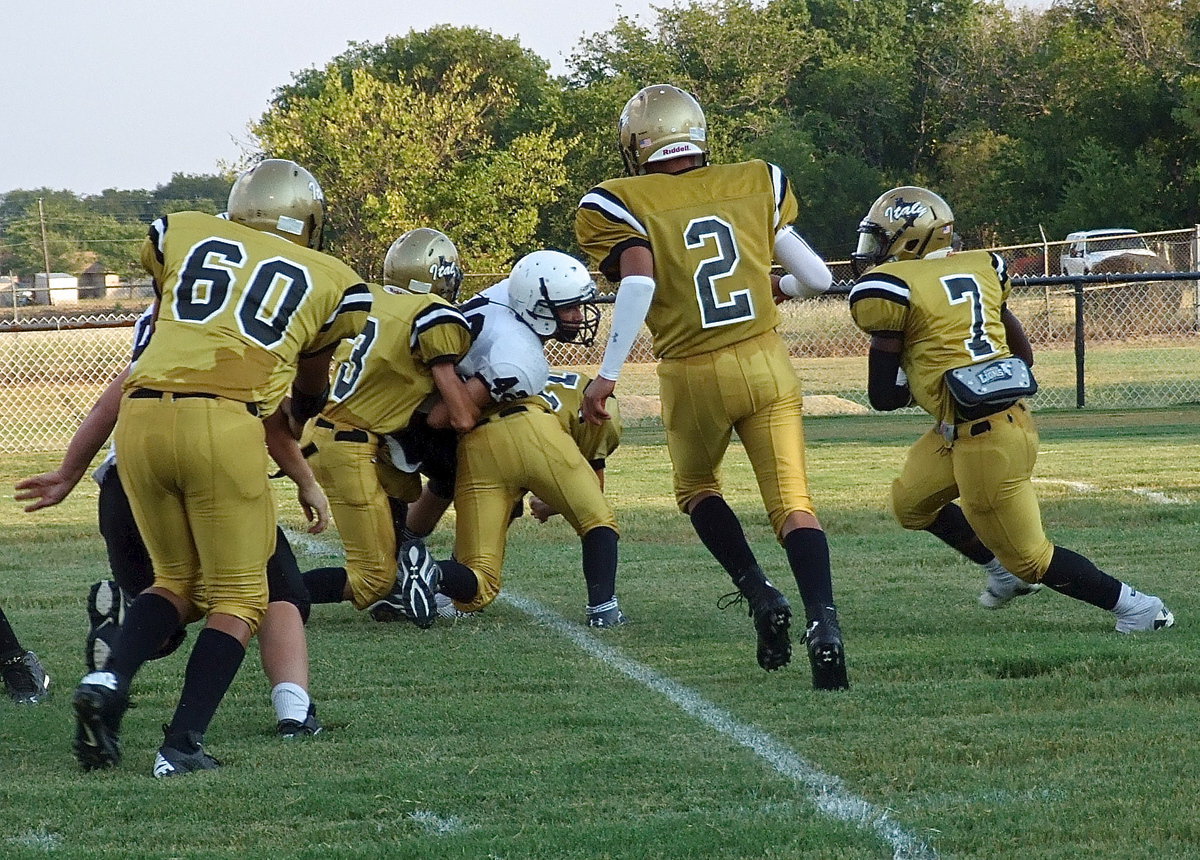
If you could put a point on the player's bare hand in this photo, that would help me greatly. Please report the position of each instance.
(45, 490)
(540, 510)
(777, 294)
(315, 506)
(594, 398)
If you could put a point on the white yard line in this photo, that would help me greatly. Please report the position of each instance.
(826, 792)
(1081, 487)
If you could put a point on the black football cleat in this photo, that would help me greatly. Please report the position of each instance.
(288, 729)
(772, 617)
(98, 711)
(826, 653)
(25, 679)
(185, 755)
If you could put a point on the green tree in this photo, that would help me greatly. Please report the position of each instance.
(392, 155)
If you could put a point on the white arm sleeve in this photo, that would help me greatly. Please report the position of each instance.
(629, 312)
(807, 275)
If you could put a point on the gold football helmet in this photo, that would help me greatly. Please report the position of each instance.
(906, 223)
(422, 261)
(281, 197)
(658, 123)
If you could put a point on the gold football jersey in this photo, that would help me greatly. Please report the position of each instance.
(237, 307)
(947, 309)
(383, 375)
(564, 393)
(712, 231)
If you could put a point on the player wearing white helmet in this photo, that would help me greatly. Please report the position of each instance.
(518, 445)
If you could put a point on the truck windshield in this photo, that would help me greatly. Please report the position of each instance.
(1117, 243)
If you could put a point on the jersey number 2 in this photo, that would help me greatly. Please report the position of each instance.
(714, 312)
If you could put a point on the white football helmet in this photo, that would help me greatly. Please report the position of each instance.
(281, 197)
(546, 282)
(906, 223)
(422, 261)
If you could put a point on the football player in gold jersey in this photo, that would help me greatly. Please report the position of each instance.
(692, 245)
(596, 442)
(244, 307)
(383, 381)
(281, 637)
(932, 316)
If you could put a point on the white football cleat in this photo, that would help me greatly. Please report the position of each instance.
(1148, 613)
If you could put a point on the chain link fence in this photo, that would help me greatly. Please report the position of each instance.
(1111, 339)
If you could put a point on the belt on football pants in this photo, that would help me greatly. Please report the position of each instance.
(504, 413)
(353, 435)
(146, 393)
(978, 428)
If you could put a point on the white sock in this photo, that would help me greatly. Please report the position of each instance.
(1128, 601)
(995, 568)
(291, 701)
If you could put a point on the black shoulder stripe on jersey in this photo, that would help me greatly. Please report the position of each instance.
(1000, 266)
(356, 298)
(432, 316)
(779, 182)
(610, 266)
(473, 304)
(882, 286)
(611, 207)
(158, 233)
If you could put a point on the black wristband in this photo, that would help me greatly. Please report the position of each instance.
(306, 406)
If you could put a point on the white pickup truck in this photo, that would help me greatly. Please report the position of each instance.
(1087, 248)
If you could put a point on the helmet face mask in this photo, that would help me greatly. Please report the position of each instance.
(543, 285)
(659, 123)
(280, 197)
(906, 223)
(424, 261)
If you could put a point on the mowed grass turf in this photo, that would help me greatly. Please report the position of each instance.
(1034, 731)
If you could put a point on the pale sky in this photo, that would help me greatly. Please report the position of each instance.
(124, 93)
(121, 94)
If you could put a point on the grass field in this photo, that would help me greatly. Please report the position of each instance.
(1032, 732)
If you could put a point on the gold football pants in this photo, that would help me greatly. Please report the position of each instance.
(989, 468)
(749, 387)
(358, 478)
(497, 462)
(195, 470)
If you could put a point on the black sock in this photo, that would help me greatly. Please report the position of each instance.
(808, 554)
(951, 527)
(458, 581)
(326, 584)
(150, 619)
(9, 646)
(600, 564)
(1071, 574)
(211, 668)
(720, 531)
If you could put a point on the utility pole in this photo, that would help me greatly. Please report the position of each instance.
(45, 246)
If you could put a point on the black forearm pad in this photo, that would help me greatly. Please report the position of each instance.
(882, 390)
(306, 406)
